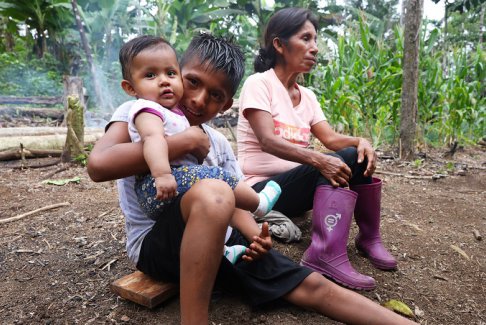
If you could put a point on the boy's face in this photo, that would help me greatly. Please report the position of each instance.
(206, 93)
(155, 76)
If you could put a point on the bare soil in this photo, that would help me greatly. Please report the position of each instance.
(56, 265)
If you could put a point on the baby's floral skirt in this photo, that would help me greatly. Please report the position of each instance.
(186, 176)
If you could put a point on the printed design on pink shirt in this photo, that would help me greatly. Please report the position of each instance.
(291, 133)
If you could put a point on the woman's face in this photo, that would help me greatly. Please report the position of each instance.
(299, 54)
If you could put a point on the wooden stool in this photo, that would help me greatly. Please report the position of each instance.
(143, 290)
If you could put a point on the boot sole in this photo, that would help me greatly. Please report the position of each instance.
(333, 278)
(378, 265)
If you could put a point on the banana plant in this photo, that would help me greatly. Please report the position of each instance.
(110, 21)
(179, 20)
(44, 17)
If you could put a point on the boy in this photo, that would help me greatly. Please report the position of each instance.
(212, 69)
(151, 74)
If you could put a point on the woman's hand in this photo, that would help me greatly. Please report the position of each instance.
(365, 149)
(334, 170)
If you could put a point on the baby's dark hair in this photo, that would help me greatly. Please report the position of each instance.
(283, 24)
(217, 54)
(133, 47)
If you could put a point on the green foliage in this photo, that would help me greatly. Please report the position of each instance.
(463, 5)
(358, 83)
(63, 181)
(360, 88)
(452, 105)
(381, 15)
(450, 166)
(44, 18)
(417, 163)
(21, 75)
(81, 159)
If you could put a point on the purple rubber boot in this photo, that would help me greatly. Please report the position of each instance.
(327, 254)
(367, 215)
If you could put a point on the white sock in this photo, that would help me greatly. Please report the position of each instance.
(233, 253)
(268, 197)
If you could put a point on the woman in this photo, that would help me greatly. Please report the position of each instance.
(277, 117)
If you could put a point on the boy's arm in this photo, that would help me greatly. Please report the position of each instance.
(115, 156)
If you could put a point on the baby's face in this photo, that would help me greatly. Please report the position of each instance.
(156, 76)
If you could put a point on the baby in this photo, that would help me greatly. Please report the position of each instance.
(151, 74)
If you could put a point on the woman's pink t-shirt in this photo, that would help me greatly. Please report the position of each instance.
(264, 91)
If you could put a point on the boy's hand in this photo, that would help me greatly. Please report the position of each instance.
(260, 246)
(200, 142)
(166, 186)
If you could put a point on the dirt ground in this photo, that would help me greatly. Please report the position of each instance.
(56, 265)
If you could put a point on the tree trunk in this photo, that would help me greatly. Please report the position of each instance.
(444, 56)
(9, 42)
(89, 56)
(75, 130)
(73, 86)
(5, 35)
(408, 121)
(44, 44)
(481, 24)
(38, 45)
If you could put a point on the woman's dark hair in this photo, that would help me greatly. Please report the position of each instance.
(283, 24)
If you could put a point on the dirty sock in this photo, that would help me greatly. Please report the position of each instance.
(268, 197)
(233, 253)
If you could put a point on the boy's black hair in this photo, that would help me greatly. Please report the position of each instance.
(217, 54)
(133, 47)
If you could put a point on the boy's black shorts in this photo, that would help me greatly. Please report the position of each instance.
(258, 282)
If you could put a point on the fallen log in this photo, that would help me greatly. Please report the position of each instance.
(46, 138)
(15, 154)
(39, 131)
(44, 100)
(47, 142)
(36, 165)
(52, 113)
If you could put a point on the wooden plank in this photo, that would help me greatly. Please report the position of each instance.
(143, 290)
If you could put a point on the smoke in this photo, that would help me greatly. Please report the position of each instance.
(109, 95)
